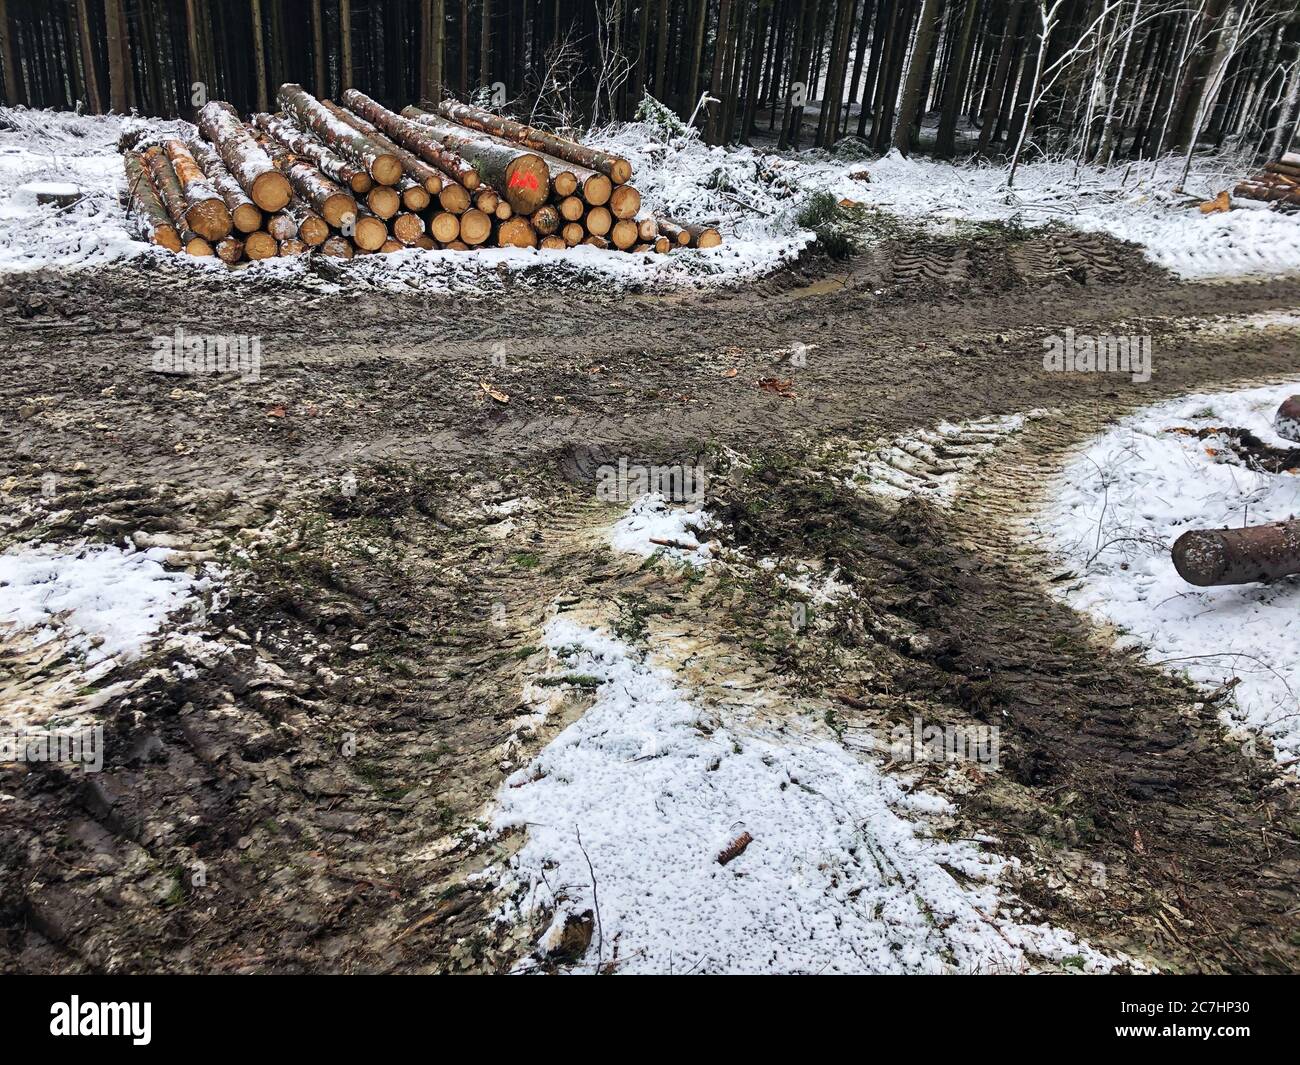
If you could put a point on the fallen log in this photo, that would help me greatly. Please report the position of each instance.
(618, 169)
(329, 163)
(324, 196)
(414, 168)
(521, 176)
(1286, 422)
(674, 232)
(244, 213)
(381, 165)
(410, 135)
(168, 187)
(144, 209)
(206, 212)
(244, 158)
(230, 250)
(282, 226)
(1215, 557)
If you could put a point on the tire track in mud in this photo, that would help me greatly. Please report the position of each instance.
(1180, 819)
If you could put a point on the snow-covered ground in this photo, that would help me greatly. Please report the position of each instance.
(104, 603)
(652, 524)
(629, 811)
(1117, 510)
(751, 195)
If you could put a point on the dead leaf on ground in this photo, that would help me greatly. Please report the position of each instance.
(780, 386)
(731, 373)
(275, 412)
(495, 393)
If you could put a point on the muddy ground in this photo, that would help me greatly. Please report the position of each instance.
(324, 746)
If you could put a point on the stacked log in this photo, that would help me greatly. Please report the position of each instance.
(1278, 182)
(354, 178)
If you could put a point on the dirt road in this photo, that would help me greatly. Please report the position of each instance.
(394, 535)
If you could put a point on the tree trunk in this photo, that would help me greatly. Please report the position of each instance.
(244, 213)
(1192, 86)
(416, 138)
(119, 57)
(345, 44)
(259, 54)
(945, 141)
(910, 105)
(145, 212)
(523, 177)
(333, 166)
(1001, 74)
(697, 54)
(205, 211)
(485, 45)
(715, 81)
(94, 100)
(617, 168)
(244, 158)
(661, 51)
(311, 114)
(318, 49)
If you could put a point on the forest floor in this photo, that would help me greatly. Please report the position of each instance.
(360, 745)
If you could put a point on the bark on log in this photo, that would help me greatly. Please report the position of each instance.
(408, 228)
(244, 213)
(230, 250)
(1213, 557)
(410, 135)
(323, 195)
(675, 233)
(338, 247)
(413, 166)
(303, 144)
(145, 210)
(381, 165)
(206, 212)
(521, 176)
(168, 188)
(249, 164)
(546, 220)
(618, 169)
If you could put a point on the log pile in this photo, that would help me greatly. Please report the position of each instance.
(1278, 182)
(354, 178)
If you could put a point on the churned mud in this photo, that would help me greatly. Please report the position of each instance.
(405, 493)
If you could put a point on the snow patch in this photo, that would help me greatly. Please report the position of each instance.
(1117, 510)
(677, 529)
(844, 873)
(105, 602)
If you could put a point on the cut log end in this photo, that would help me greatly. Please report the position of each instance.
(386, 169)
(261, 245)
(598, 189)
(475, 227)
(337, 208)
(444, 227)
(516, 232)
(384, 200)
(625, 202)
(247, 218)
(370, 233)
(528, 183)
(338, 247)
(198, 247)
(454, 198)
(270, 191)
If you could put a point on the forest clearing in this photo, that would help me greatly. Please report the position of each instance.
(629, 487)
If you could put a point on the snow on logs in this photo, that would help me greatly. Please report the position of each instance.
(249, 164)
(349, 178)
